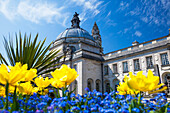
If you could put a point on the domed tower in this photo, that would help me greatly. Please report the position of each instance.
(81, 52)
(97, 37)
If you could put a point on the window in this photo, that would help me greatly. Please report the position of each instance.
(97, 85)
(89, 85)
(115, 68)
(125, 66)
(136, 65)
(164, 59)
(149, 62)
(108, 87)
(75, 67)
(106, 70)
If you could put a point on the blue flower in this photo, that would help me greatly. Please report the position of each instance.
(72, 95)
(110, 111)
(86, 111)
(87, 89)
(136, 110)
(75, 108)
(122, 110)
(168, 109)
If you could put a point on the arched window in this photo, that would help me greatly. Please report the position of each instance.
(90, 84)
(115, 84)
(107, 86)
(98, 85)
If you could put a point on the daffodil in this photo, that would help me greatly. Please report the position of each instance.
(140, 82)
(27, 88)
(63, 76)
(41, 82)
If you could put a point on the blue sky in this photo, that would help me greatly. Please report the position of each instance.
(120, 21)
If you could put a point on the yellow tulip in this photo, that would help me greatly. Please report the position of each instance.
(15, 74)
(123, 88)
(2, 91)
(63, 75)
(57, 83)
(27, 88)
(43, 92)
(144, 83)
(41, 82)
(30, 74)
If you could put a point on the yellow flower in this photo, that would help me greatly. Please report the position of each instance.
(64, 75)
(2, 91)
(15, 75)
(123, 88)
(27, 88)
(143, 83)
(57, 83)
(43, 91)
(41, 82)
(30, 74)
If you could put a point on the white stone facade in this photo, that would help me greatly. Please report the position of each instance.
(95, 69)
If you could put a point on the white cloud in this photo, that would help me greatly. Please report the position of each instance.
(34, 11)
(138, 33)
(123, 6)
(44, 11)
(90, 8)
(145, 19)
(109, 13)
(7, 9)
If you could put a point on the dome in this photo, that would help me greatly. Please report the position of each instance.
(75, 32)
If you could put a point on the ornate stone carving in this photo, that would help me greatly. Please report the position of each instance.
(75, 21)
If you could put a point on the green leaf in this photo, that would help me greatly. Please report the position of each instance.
(32, 52)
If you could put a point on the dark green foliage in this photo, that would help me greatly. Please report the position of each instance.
(31, 52)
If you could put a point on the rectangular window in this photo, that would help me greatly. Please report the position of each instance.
(106, 70)
(136, 65)
(75, 67)
(115, 68)
(164, 59)
(125, 66)
(149, 62)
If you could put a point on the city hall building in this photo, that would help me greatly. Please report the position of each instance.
(99, 71)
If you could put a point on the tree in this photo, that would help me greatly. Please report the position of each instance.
(31, 52)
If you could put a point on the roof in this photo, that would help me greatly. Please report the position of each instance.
(75, 32)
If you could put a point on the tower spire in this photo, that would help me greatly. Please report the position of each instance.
(96, 34)
(75, 21)
(95, 30)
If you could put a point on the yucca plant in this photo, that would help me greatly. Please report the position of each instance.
(31, 52)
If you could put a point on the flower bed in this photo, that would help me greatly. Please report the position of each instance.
(19, 92)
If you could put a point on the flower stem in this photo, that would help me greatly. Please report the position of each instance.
(139, 98)
(6, 93)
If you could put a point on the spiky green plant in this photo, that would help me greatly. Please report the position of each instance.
(31, 52)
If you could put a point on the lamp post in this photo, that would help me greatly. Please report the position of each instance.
(69, 50)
